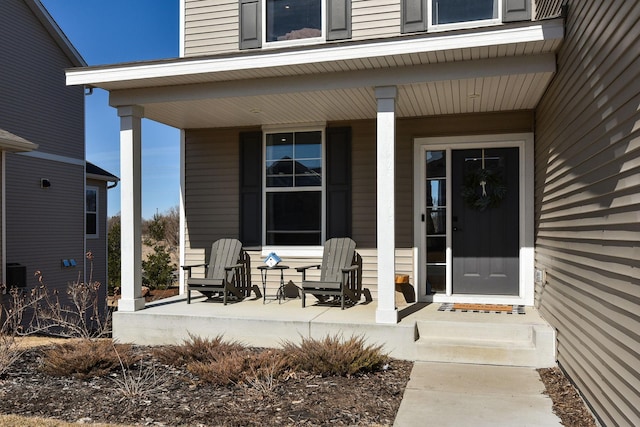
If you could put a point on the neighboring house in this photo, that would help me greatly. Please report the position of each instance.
(394, 117)
(45, 185)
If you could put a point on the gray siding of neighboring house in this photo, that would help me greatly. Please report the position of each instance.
(212, 170)
(35, 102)
(43, 226)
(98, 245)
(587, 187)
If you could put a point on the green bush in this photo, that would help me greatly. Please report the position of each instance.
(335, 356)
(158, 268)
(113, 254)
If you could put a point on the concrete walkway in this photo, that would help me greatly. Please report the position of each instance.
(450, 394)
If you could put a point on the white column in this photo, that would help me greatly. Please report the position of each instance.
(131, 208)
(386, 150)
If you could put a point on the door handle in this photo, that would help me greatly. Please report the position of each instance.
(456, 229)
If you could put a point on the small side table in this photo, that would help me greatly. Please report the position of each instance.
(263, 273)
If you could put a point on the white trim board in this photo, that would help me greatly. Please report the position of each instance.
(524, 141)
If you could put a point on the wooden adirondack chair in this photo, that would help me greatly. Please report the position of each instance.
(227, 272)
(340, 273)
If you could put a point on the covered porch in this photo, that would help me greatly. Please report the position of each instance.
(423, 332)
(438, 80)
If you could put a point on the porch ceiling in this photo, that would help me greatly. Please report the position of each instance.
(494, 69)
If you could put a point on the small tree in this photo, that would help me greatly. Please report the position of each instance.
(156, 228)
(113, 256)
(158, 268)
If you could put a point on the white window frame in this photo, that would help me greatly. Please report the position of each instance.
(462, 25)
(86, 212)
(300, 42)
(297, 251)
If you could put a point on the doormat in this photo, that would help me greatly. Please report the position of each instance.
(482, 308)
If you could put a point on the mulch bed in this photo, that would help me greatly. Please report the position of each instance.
(567, 402)
(180, 399)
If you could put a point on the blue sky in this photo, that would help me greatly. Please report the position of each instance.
(113, 31)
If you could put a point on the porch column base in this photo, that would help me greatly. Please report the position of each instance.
(130, 305)
(387, 316)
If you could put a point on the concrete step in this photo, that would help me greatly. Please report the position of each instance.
(503, 343)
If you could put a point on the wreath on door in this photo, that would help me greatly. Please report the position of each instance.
(483, 189)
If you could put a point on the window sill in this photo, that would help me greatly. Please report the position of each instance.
(293, 251)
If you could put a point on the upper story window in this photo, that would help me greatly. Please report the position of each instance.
(91, 212)
(293, 19)
(292, 22)
(439, 15)
(445, 12)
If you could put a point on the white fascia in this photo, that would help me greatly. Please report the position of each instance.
(540, 31)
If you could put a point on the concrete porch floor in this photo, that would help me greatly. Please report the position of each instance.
(171, 320)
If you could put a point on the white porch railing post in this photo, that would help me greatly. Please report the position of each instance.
(131, 208)
(386, 148)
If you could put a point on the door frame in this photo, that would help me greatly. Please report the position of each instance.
(524, 141)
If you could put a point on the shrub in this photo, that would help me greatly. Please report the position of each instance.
(113, 254)
(158, 268)
(335, 356)
(9, 352)
(228, 369)
(196, 349)
(85, 358)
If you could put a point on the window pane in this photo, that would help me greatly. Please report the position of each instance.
(294, 218)
(308, 173)
(436, 192)
(450, 11)
(436, 164)
(92, 200)
(436, 249)
(92, 225)
(308, 145)
(436, 278)
(293, 19)
(279, 146)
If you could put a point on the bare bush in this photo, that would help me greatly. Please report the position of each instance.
(83, 313)
(9, 352)
(139, 383)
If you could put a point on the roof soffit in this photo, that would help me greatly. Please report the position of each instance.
(492, 42)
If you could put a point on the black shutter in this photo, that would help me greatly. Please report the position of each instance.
(414, 16)
(338, 19)
(250, 20)
(338, 182)
(516, 10)
(251, 188)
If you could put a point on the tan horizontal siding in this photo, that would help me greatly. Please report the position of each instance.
(404, 265)
(210, 27)
(374, 19)
(211, 176)
(211, 189)
(587, 203)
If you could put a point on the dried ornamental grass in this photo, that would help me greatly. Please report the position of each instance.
(85, 358)
(335, 356)
(196, 349)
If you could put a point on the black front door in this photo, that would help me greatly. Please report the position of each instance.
(485, 221)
